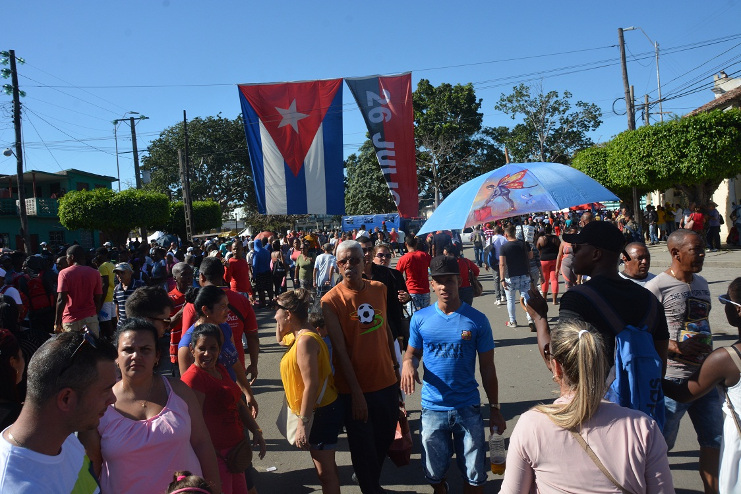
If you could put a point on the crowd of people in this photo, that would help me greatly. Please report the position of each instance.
(87, 403)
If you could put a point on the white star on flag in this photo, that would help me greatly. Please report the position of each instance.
(290, 116)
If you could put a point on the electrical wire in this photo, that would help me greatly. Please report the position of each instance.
(70, 136)
(42, 140)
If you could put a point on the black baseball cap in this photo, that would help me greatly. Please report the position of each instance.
(444, 265)
(600, 234)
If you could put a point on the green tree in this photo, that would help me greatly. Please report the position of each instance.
(219, 162)
(206, 216)
(692, 154)
(447, 123)
(366, 191)
(115, 214)
(551, 130)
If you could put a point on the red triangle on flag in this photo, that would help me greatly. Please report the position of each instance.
(292, 113)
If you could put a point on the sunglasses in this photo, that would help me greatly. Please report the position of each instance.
(381, 255)
(87, 337)
(278, 306)
(354, 261)
(367, 249)
(725, 299)
(166, 320)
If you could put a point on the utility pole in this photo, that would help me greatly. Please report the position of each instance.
(136, 154)
(19, 154)
(645, 110)
(629, 108)
(185, 178)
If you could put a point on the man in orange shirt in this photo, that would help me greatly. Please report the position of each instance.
(367, 376)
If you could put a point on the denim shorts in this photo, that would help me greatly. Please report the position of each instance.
(458, 431)
(419, 301)
(706, 415)
(326, 426)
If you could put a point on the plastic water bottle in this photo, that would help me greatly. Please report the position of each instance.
(497, 452)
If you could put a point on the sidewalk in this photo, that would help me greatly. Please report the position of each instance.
(726, 257)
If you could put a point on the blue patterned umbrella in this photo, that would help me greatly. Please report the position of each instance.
(512, 190)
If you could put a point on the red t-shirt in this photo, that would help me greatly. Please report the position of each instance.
(238, 275)
(81, 283)
(414, 265)
(239, 302)
(178, 301)
(464, 265)
(221, 406)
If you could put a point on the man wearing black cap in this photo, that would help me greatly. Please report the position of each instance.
(596, 251)
(449, 335)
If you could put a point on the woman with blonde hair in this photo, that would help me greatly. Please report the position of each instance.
(582, 443)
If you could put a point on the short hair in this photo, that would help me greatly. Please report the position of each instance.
(350, 245)
(316, 318)
(136, 324)
(178, 269)
(76, 252)
(65, 361)
(102, 252)
(411, 241)
(212, 269)
(147, 301)
(9, 314)
(297, 302)
(205, 330)
(510, 231)
(363, 239)
(734, 290)
(678, 237)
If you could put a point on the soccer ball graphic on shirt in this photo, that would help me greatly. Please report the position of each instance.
(366, 313)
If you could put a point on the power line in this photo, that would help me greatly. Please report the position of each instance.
(30, 121)
(67, 94)
(63, 132)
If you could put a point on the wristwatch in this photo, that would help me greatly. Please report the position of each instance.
(494, 405)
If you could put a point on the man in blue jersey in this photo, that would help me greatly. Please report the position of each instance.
(449, 335)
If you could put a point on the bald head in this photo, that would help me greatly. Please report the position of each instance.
(679, 238)
(638, 261)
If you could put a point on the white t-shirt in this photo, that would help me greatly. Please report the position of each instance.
(322, 265)
(26, 471)
(402, 236)
(642, 282)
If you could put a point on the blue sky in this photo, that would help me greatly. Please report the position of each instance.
(90, 62)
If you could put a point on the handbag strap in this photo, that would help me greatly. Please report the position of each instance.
(597, 461)
(736, 360)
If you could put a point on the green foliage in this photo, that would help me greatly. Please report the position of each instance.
(366, 191)
(272, 222)
(693, 154)
(206, 216)
(451, 147)
(219, 162)
(116, 214)
(551, 130)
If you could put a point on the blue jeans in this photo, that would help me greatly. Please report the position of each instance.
(706, 415)
(419, 301)
(516, 283)
(652, 232)
(478, 255)
(460, 431)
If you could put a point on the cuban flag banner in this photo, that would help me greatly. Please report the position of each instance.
(294, 136)
(386, 105)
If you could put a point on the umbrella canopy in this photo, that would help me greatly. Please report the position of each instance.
(588, 207)
(512, 190)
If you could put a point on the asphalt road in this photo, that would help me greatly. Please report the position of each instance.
(523, 382)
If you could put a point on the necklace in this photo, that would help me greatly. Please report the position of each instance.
(149, 394)
(689, 283)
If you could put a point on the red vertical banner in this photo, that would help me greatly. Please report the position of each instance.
(386, 105)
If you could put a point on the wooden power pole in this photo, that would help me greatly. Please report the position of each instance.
(629, 109)
(185, 180)
(19, 154)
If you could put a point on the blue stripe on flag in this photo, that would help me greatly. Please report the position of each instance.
(254, 145)
(295, 191)
(333, 162)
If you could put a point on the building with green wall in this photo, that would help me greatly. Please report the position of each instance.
(43, 190)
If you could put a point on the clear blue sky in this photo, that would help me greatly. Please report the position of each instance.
(159, 58)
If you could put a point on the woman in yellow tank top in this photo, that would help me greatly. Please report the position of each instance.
(309, 385)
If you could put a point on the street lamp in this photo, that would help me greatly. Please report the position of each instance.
(658, 76)
(115, 137)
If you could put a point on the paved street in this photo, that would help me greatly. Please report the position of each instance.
(523, 382)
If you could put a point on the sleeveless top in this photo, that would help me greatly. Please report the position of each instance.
(730, 449)
(293, 384)
(549, 251)
(141, 455)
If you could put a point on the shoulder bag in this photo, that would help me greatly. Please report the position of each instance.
(287, 421)
(478, 288)
(736, 360)
(597, 461)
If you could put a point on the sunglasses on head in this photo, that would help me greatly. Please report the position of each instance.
(354, 261)
(725, 299)
(87, 337)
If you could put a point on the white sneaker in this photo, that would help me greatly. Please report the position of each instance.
(499, 302)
